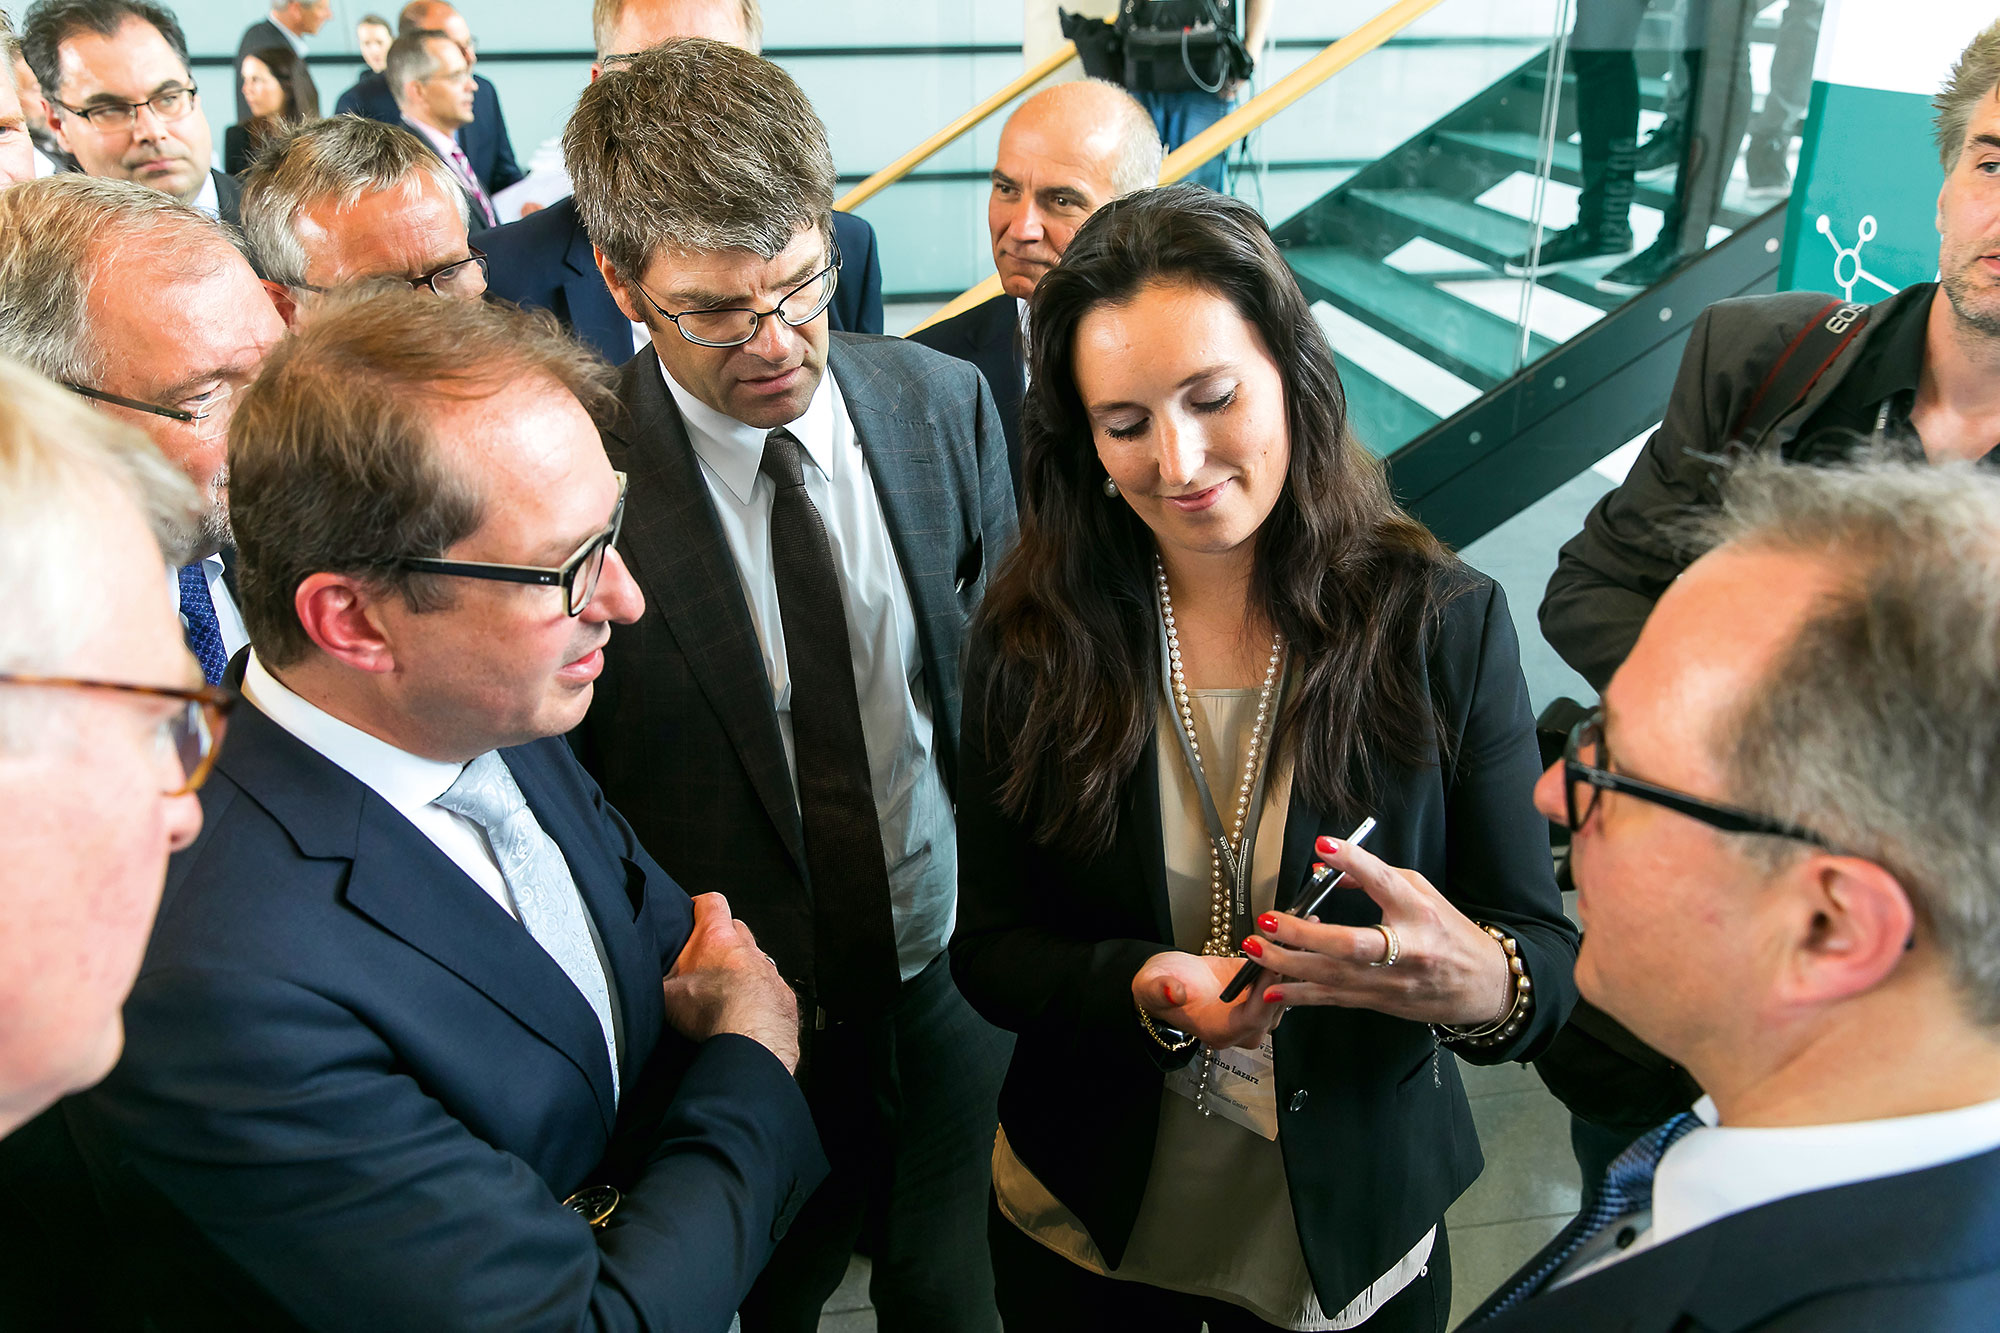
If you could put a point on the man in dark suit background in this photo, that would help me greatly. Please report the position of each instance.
(544, 260)
(484, 138)
(289, 24)
(421, 984)
(433, 86)
(812, 517)
(1825, 685)
(99, 59)
(1064, 153)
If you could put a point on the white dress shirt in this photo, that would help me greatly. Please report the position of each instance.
(409, 783)
(919, 837)
(1715, 1171)
(208, 201)
(1022, 315)
(298, 41)
(227, 618)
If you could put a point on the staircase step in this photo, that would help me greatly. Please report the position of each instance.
(1473, 343)
(1652, 92)
(1472, 229)
(1383, 419)
(1520, 150)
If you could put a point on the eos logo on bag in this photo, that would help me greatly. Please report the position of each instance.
(1843, 319)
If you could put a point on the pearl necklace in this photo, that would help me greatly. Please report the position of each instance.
(1219, 944)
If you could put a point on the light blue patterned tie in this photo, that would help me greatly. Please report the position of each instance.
(538, 878)
(1627, 1189)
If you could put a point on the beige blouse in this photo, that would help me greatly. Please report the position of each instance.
(1216, 1220)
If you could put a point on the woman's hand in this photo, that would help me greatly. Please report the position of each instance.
(1180, 990)
(1447, 969)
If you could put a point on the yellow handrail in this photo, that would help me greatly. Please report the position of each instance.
(908, 162)
(1217, 137)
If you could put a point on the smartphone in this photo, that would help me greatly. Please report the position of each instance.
(1323, 881)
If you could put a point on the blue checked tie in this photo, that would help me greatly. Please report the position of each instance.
(538, 879)
(1627, 1189)
(204, 631)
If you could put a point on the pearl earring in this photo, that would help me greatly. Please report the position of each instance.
(1110, 489)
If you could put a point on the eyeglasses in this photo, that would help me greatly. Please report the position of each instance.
(458, 76)
(168, 104)
(208, 418)
(460, 280)
(734, 326)
(576, 576)
(192, 735)
(1584, 777)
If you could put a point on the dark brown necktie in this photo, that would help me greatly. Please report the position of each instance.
(854, 934)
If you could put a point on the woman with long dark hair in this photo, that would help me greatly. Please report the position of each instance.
(1218, 647)
(266, 76)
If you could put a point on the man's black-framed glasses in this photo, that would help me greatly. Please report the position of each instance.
(1585, 776)
(192, 733)
(460, 280)
(576, 576)
(208, 420)
(733, 326)
(168, 104)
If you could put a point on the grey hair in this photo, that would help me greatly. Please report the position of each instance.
(56, 234)
(340, 159)
(604, 16)
(1140, 151)
(410, 58)
(697, 145)
(57, 457)
(1878, 726)
(1976, 73)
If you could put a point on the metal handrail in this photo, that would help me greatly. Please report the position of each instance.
(1338, 55)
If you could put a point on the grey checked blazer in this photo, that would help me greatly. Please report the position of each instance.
(682, 734)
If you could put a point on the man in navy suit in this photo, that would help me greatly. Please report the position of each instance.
(1064, 153)
(1783, 836)
(484, 139)
(424, 1038)
(545, 261)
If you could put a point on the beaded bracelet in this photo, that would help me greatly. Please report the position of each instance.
(1186, 1039)
(1502, 1029)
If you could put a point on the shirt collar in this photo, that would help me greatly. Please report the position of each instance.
(1892, 360)
(208, 201)
(1716, 1171)
(409, 782)
(297, 40)
(735, 452)
(444, 145)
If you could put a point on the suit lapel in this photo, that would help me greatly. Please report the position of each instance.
(589, 300)
(678, 553)
(405, 885)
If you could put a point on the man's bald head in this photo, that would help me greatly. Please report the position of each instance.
(1065, 152)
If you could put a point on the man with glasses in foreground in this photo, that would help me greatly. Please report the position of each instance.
(332, 203)
(424, 1038)
(122, 97)
(1783, 840)
(813, 517)
(144, 307)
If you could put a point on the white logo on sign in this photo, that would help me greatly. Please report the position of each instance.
(1847, 269)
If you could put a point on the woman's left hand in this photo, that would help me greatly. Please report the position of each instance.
(1447, 969)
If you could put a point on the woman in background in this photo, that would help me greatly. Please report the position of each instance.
(266, 76)
(1218, 645)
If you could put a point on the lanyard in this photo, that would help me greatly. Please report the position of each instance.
(1235, 863)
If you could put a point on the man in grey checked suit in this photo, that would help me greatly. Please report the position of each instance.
(812, 518)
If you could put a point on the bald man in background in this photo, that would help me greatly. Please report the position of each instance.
(1065, 153)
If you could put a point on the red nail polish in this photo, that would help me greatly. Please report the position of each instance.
(1254, 947)
(1272, 996)
(1327, 845)
(1268, 922)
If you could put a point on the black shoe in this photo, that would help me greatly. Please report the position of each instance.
(1770, 174)
(1662, 149)
(1642, 270)
(1569, 245)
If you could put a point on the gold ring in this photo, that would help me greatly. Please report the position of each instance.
(1393, 947)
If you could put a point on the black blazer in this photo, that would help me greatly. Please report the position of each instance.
(355, 1091)
(228, 197)
(1375, 1149)
(265, 35)
(687, 681)
(1919, 1251)
(484, 141)
(989, 336)
(544, 262)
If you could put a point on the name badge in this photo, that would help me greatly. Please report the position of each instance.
(1242, 1086)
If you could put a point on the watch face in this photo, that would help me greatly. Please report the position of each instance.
(593, 1203)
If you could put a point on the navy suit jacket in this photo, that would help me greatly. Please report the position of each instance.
(355, 1091)
(544, 262)
(989, 336)
(484, 141)
(1918, 1251)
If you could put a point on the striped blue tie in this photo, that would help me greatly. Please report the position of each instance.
(204, 631)
(1627, 1189)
